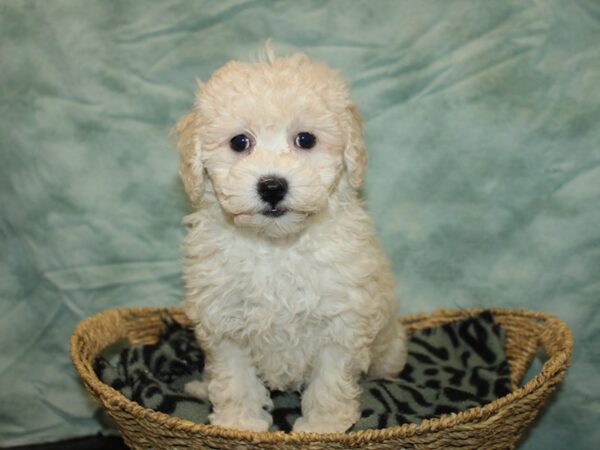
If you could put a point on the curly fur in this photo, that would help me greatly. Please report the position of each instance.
(302, 301)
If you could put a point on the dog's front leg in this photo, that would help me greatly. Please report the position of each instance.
(330, 402)
(237, 395)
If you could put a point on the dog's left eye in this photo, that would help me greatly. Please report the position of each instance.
(305, 140)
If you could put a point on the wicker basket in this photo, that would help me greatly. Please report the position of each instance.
(497, 425)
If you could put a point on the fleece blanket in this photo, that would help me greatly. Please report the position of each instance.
(450, 368)
(481, 119)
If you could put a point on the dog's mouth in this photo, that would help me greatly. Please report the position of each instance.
(274, 212)
(274, 222)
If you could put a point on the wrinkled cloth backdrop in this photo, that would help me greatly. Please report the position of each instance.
(482, 122)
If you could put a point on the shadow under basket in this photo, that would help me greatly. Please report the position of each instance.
(497, 425)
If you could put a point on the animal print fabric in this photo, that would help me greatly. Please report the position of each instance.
(450, 368)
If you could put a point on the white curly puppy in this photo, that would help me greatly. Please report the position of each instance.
(286, 283)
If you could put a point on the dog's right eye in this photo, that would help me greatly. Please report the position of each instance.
(240, 143)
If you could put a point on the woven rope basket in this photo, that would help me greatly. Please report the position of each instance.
(497, 425)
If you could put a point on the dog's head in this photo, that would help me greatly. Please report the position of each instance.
(273, 141)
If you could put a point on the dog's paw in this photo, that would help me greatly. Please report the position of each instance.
(198, 389)
(242, 422)
(304, 425)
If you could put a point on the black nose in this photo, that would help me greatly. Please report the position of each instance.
(272, 189)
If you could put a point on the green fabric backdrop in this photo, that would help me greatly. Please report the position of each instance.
(482, 120)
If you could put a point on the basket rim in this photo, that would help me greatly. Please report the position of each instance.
(556, 363)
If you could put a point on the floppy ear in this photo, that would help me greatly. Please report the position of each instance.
(188, 146)
(355, 154)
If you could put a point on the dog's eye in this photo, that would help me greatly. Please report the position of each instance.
(240, 142)
(305, 140)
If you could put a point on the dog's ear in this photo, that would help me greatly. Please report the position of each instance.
(191, 170)
(355, 154)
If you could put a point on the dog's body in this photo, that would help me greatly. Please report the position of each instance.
(291, 291)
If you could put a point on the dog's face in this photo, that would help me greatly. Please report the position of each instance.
(272, 141)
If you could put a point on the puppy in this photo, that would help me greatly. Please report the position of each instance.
(286, 283)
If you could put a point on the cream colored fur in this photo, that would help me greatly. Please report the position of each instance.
(303, 301)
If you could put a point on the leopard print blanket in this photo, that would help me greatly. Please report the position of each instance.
(450, 368)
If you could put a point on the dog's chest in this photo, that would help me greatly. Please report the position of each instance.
(274, 301)
(276, 293)
(282, 319)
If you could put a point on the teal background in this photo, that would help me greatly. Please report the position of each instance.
(484, 180)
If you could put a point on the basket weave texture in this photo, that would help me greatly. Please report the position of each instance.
(497, 425)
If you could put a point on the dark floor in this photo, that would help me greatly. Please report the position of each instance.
(89, 443)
